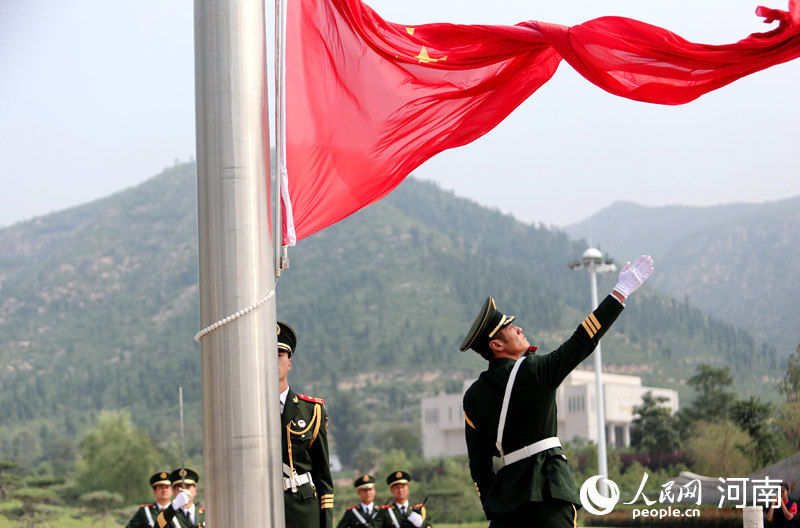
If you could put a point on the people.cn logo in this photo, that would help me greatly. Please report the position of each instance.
(595, 502)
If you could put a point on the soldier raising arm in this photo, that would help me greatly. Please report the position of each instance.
(515, 458)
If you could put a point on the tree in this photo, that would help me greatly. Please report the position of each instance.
(102, 502)
(712, 401)
(716, 448)
(346, 429)
(399, 437)
(37, 500)
(790, 384)
(5, 465)
(753, 416)
(654, 429)
(117, 455)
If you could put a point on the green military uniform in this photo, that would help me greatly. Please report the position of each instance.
(361, 516)
(181, 519)
(540, 485)
(307, 482)
(146, 515)
(304, 437)
(195, 516)
(397, 516)
(357, 517)
(392, 517)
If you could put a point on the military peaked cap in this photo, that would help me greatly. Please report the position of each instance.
(287, 339)
(398, 477)
(160, 478)
(485, 327)
(184, 475)
(365, 481)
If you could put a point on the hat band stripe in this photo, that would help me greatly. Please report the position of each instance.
(505, 320)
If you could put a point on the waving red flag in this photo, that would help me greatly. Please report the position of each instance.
(368, 101)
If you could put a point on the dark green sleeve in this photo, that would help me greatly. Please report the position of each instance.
(139, 520)
(480, 456)
(321, 470)
(555, 366)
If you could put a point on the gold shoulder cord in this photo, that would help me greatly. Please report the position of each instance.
(289, 434)
(316, 426)
(289, 449)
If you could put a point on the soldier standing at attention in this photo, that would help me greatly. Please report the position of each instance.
(307, 482)
(515, 458)
(183, 513)
(400, 514)
(364, 514)
(146, 515)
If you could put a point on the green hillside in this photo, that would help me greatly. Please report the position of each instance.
(734, 261)
(98, 306)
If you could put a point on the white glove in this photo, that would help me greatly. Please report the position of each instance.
(181, 499)
(415, 518)
(631, 277)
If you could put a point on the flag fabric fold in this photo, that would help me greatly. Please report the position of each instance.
(367, 101)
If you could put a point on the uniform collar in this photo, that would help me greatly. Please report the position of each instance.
(500, 362)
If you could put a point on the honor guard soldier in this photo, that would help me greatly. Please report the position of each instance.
(364, 514)
(515, 458)
(183, 512)
(307, 482)
(146, 515)
(401, 514)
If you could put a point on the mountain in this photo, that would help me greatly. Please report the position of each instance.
(734, 261)
(98, 306)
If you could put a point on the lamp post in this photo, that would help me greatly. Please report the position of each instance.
(592, 260)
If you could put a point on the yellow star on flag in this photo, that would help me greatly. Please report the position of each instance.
(424, 57)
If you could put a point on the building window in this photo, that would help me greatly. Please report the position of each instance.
(432, 416)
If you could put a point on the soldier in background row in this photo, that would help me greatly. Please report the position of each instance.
(146, 515)
(365, 514)
(183, 512)
(401, 514)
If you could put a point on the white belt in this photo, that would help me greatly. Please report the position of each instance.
(293, 480)
(525, 452)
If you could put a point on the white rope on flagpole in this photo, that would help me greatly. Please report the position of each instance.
(244, 311)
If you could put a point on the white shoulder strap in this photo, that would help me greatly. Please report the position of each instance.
(149, 516)
(358, 515)
(394, 518)
(504, 410)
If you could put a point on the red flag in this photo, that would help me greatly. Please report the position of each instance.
(368, 101)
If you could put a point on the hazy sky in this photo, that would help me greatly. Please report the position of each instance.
(96, 96)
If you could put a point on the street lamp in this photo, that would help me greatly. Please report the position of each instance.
(592, 260)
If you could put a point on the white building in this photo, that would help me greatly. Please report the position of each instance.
(443, 417)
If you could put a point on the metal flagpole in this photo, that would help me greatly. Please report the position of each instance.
(241, 420)
(279, 137)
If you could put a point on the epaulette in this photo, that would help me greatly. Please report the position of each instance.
(418, 505)
(386, 507)
(311, 399)
(146, 506)
(352, 507)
